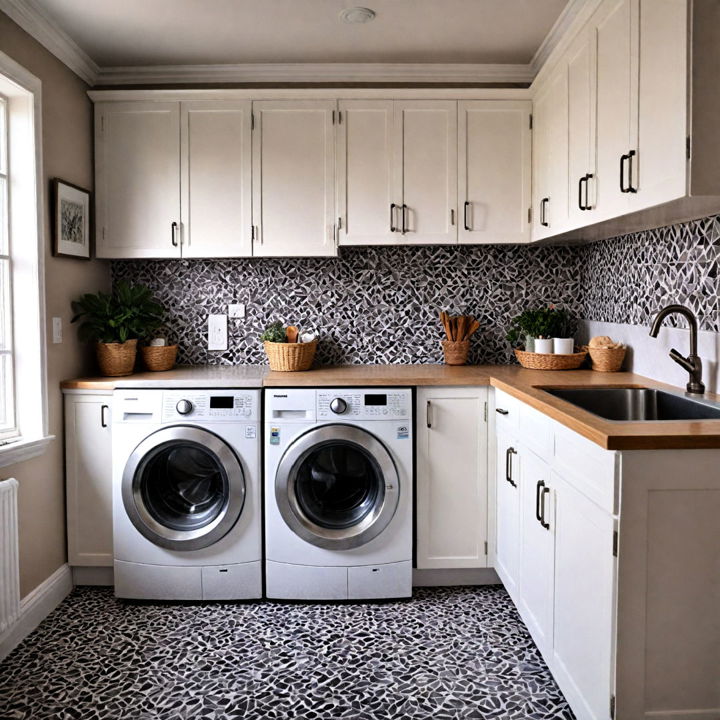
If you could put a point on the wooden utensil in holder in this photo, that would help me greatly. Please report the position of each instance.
(458, 330)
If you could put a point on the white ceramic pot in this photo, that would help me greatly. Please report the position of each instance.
(543, 346)
(563, 346)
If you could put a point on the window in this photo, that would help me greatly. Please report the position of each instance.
(8, 426)
(23, 396)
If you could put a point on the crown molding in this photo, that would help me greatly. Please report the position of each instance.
(316, 73)
(31, 18)
(557, 32)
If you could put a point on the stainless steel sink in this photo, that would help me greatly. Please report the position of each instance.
(638, 404)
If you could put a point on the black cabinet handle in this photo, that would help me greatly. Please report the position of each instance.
(392, 217)
(466, 225)
(588, 177)
(630, 187)
(428, 417)
(543, 206)
(501, 411)
(581, 206)
(538, 493)
(103, 408)
(173, 234)
(508, 466)
(545, 491)
(404, 218)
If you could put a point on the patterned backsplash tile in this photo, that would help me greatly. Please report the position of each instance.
(380, 305)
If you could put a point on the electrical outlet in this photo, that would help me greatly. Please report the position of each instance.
(236, 310)
(217, 332)
(57, 330)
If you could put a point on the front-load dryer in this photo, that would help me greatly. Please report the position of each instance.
(338, 494)
(187, 519)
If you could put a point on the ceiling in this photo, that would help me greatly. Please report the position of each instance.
(122, 33)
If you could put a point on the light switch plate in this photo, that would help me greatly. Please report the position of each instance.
(57, 330)
(217, 332)
(236, 310)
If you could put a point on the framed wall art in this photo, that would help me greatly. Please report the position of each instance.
(71, 221)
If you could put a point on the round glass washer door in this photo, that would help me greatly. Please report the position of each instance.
(183, 488)
(337, 487)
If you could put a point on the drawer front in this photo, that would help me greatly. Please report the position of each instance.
(587, 467)
(507, 412)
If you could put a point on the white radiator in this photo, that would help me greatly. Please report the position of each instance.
(9, 573)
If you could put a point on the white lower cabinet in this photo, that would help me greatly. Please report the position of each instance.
(452, 510)
(88, 478)
(507, 490)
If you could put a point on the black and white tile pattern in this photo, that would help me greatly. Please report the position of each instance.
(447, 654)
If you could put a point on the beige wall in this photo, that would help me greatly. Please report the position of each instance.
(67, 154)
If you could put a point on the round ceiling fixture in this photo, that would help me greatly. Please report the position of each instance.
(357, 15)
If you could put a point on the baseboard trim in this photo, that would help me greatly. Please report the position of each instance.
(35, 607)
(98, 575)
(449, 577)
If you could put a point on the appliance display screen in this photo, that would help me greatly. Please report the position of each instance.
(224, 402)
(376, 399)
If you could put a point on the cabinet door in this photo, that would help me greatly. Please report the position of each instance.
(581, 63)
(494, 161)
(88, 480)
(584, 602)
(367, 199)
(137, 166)
(550, 120)
(617, 160)
(452, 478)
(426, 133)
(662, 160)
(537, 547)
(294, 178)
(216, 182)
(508, 484)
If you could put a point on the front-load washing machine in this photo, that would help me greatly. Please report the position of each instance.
(187, 521)
(338, 494)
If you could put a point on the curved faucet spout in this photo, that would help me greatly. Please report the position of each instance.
(692, 363)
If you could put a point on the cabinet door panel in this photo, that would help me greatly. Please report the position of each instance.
(451, 478)
(293, 178)
(88, 480)
(428, 134)
(137, 179)
(584, 602)
(507, 555)
(216, 169)
(366, 173)
(616, 87)
(494, 160)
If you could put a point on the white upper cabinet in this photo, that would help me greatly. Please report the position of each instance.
(366, 180)
(550, 156)
(216, 178)
(137, 160)
(427, 160)
(494, 168)
(294, 178)
(582, 104)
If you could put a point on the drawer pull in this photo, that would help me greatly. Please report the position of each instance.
(501, 411)
(508, 466)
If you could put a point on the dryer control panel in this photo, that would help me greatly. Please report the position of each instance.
(210, 405)
(377, 404)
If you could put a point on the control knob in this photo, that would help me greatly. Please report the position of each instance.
(184, 407)
(338, 406)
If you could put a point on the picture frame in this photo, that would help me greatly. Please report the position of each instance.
(71, 220)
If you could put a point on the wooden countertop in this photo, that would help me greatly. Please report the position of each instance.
(523, 384)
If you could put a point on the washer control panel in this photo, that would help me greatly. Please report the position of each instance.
(210, 405)
(378, 404)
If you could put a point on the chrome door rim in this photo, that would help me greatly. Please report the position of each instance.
(155, 531)
(371, 524)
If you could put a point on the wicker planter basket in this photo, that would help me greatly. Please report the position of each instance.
(456, 351)
(607, 359)
(159, 357)
(542, 361)
(116, 359)
(290, 357)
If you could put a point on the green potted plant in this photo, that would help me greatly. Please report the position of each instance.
(115, 322)
(537, 328)
(565, 326)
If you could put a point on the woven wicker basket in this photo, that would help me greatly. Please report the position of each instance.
(542, 361)
(159, 357)
(607, 359)
(456, 351)
(116, 359)
(290, 357)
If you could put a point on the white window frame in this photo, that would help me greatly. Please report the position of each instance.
(23, 93)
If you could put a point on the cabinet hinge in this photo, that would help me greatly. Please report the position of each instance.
(529, 215)
(612, 706)
(615, 543)
(252, 233)
(531, 121)
(687, 147)
(485, 419)
(486, 548)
